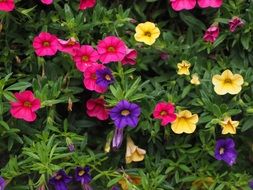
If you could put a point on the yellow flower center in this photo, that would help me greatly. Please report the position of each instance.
(81, 173)
(85, 58)
(221, 151)
(108, 77)
(163, 113)
(228, 81)
(71, 43)
(46, 44)
(58, 177)
(27, 104)
(125, 112)
(148, 34)
(111, 49)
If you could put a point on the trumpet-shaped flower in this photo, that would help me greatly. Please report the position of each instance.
(60, 180)
(195, 79)
(68, 46)
(147, 33)
(7, 5)
(133, 152)
(82, 174)
(234, 23)
(211, 33)
(165, 112)
(209, 3)
(96, 108)
(183, 68)
(130, 57)
(85, 4)
(227, 82)
(179, 5)
(185, 122)
(229, 126)
(104, 77)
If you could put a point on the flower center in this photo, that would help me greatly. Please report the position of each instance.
(85, 58)
(71, 43)
(3, 0)
(81, 173)
(221, 151)
(93, 76)
(163, 113)
(108, 77)
(58, 177)
(148, 34)
(26, 103)
(125, 112)
(228, 81)
(111, 49)
(46, 44)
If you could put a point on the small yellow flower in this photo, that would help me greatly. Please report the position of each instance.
(227, 82)
(229, 126)
(202, 184)
(195, 79)
(185, 122)
(183, 68)
(146, 32)
(133, 152)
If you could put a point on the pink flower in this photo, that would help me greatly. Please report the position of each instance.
(179, 5)
(68, 46)
(85, 4)
(96, 108)
(210, 3)
(234, 23)
(165, 112)
(25, 106)
(45, 44)
(111, 49)
(211, 33)
(47, 2)
(85, 57)
(90, 78)
(7, 5)
(130, 57)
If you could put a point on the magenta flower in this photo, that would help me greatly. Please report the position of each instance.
(234, 23)
(179, 5)
(7, 5)
(25, 106)
(96, 108)
(209, 3)
(85, 4)
(45, 44)
(2, 183)
(251, 184)
(60, 180)
(104, 77)
(111, 49)
(85, 57)
(211, 33)
(68, 46)
(130, 57)
(47, 2)
(225, 150)
(165, 112)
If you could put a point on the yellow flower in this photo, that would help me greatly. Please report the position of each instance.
(146, 32)
(202, 184)
(229, 126)
(135, 180)
(183, 68)
(133, 152)
(227, 82)
(195, 79)
(185, 122)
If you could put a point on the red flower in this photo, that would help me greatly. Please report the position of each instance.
(68, 46)
(85, 4)
(130, 57)
(212, 33)
(47, 2)
(25, 106)
(96, 108)
(7, 5)
(165, 112)
(234, 23)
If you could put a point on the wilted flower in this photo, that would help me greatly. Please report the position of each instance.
(7, 5)
(2, 183)
(68, 46)
(25, 106)
(117, 138)
(164, 56)
(96, 108)
(104, 77)
(85, 4)
(179, 5)
(183, 68)
(115, 188)
(212, 33)
(146, 32)
(229, 126)
(129, 179)
(60, 180)
(165, 112)
(70, 144)
(185, 122)
(209, 3)
(133, 152)
(195, 79)
(202, 184)
(234, 23)
(130, 57)
(225, 150)
(227, 82)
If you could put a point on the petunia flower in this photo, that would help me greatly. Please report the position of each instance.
(227, 82)
(68, 46)
(45, 44)
(130, 57)
(47, 2)
(111, 49)
(60, 180)
(225, 150)
(234, 23)
(251, 184)
(25, 106)
(147, 33)
(185, 122)
(209, 3)
(195, 80)
(7, 5)
(83, 175)
(211, 33)
(117, 138)
(179, 5)
(96, 108)
(85, 4)
(2, 183)
(229, 126)
(165, 112)
(84, 57)
(133, 152)
(90, 78)
(104, 77)
(183, 68)
(125, 114)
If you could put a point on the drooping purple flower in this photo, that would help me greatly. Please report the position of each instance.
(2, 183)
(115, 188)
(125, 114)
(82, 174)
(251, 184)
(104, 77)
(234, 23)
(60, 180)
(117, 138)
(225, 150)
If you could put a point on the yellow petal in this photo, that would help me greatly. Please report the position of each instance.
(232, 88)
(237, 79)
(217, 80)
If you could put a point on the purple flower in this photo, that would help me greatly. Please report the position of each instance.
(2, 183)
(234, 23)
(82, 175)
(115, 188)
(251, 184)
(117, 138)
(60, 180)
(104, 77)
(125, 114)
(225, 150)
